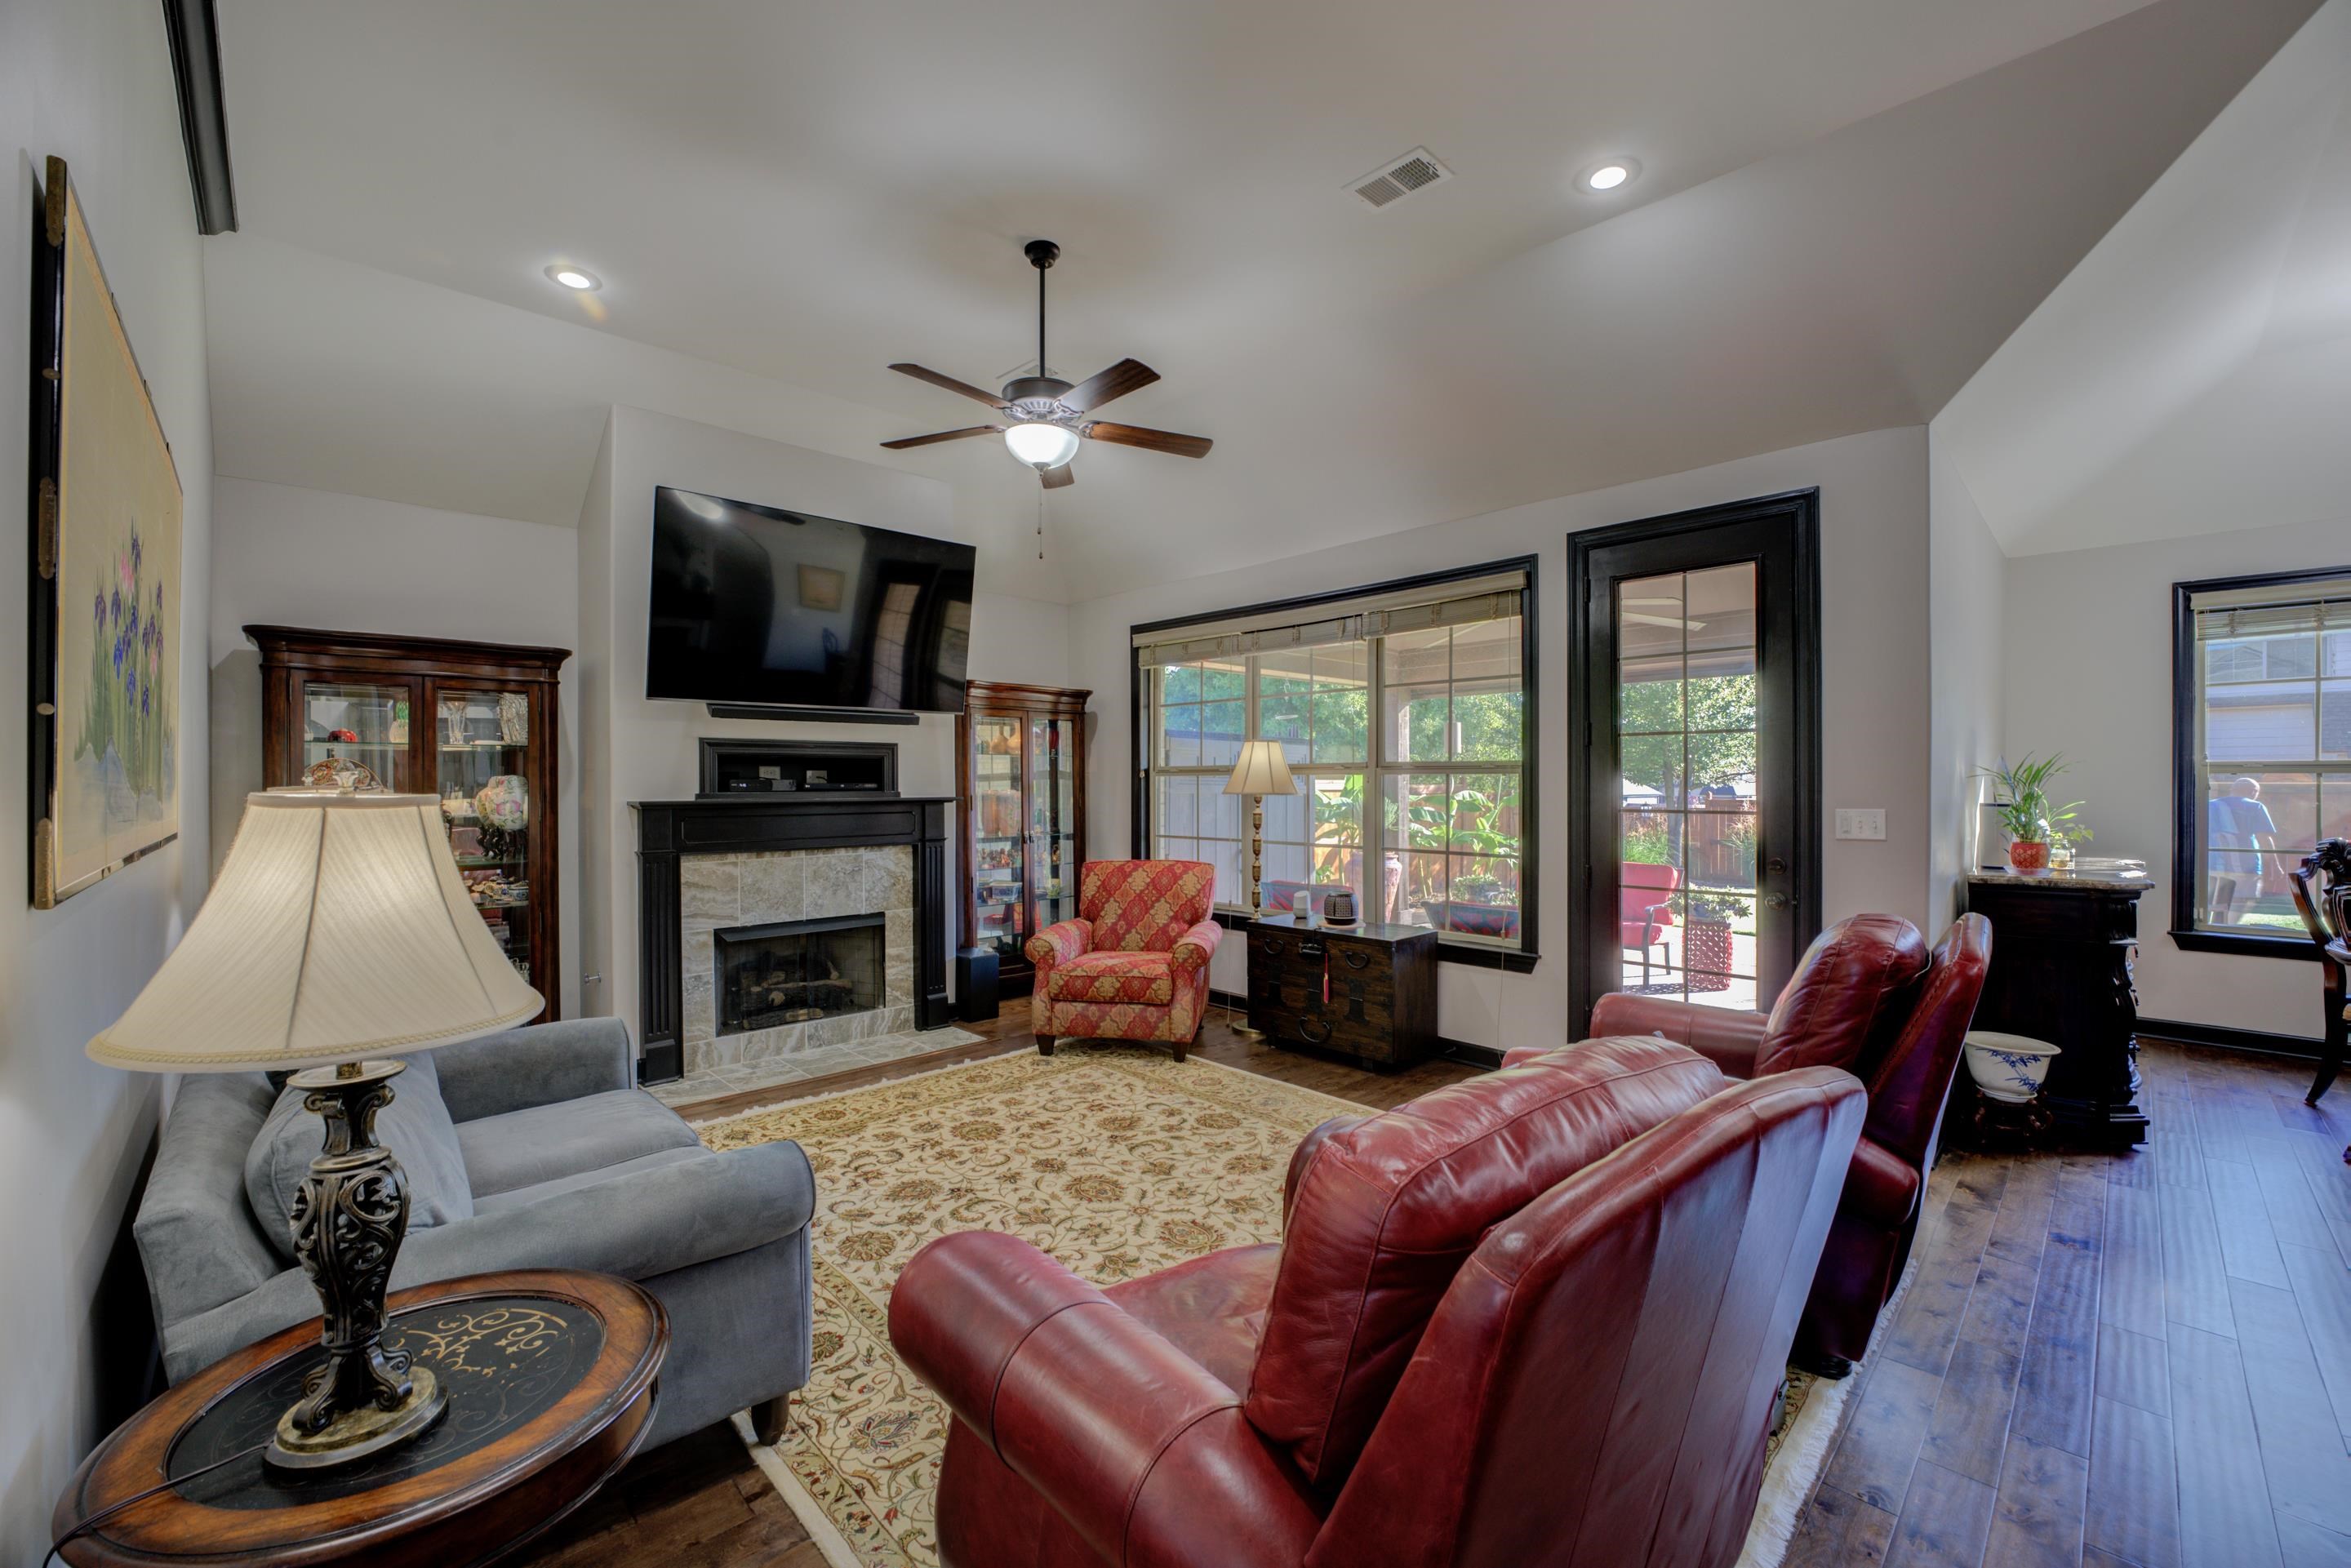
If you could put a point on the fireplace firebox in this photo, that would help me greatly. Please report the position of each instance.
(794, 970)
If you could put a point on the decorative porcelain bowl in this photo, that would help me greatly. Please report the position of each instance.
(2008, 1067)
(504, 802)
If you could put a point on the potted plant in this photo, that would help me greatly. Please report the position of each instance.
(1705, 948)
(1470, 821)
(2033, 823)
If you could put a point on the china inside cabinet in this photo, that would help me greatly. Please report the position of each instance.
(1024, 801)
(472, 723)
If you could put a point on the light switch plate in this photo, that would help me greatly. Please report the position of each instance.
(1860, 822)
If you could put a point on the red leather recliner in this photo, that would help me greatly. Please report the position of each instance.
(1867, 997)
(1535, 1319)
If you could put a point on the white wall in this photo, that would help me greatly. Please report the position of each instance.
(1873, 684)
(2089, 674)
(1966, 634)
(285, 556)
(89, 81)
(643, 750)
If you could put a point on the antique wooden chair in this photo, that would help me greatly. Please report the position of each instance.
(2322, 890)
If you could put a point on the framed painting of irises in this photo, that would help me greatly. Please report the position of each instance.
(106, 611)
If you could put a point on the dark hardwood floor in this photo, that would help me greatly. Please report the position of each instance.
(2140, 1358)
(2134, 1359)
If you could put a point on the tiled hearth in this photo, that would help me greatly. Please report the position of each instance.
(763, 887)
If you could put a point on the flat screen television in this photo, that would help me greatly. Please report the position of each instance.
(755, 604)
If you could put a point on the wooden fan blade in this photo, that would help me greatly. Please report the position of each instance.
(1126, 376)
(1055, 478)
(953, 385)
(1148, 439)
(945, 435)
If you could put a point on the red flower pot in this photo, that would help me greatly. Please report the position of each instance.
(2027, 855)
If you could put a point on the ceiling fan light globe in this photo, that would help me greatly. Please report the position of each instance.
(1041, 446)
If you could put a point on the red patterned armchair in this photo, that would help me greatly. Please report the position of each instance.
(1134, 963)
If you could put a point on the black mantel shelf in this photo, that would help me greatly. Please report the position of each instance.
(799, 819)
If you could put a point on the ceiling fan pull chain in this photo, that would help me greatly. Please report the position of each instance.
(1040, 525)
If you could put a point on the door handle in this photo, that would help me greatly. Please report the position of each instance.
(1779, 901)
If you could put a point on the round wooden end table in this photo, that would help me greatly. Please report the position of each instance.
(550, 1379)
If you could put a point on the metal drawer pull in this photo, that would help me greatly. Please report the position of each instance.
(1307, 1027)
(1272, 945)
(1355, 960)
(1309, 950)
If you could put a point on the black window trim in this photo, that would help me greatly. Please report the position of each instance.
(1524, 959)
(2188, 795)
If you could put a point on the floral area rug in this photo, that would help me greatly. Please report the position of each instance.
(1117, 1161)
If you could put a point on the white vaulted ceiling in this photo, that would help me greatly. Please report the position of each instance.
(1844, 206)
(2193, 375)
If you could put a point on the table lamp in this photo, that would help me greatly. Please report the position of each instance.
(1260, 771)
(339, 929)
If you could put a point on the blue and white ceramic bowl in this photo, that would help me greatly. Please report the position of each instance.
(2008, 1067)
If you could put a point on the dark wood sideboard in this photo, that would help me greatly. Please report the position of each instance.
(1368, 991)
(2062, 948)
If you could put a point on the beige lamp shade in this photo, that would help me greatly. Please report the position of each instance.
(1261, 769)
(339, 929)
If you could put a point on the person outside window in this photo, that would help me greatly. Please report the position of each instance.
(2241, 834)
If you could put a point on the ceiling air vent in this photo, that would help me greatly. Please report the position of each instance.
(1414, 171)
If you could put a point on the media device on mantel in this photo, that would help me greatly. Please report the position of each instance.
(753, 606)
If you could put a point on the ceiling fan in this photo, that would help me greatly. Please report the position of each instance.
(1049, 415)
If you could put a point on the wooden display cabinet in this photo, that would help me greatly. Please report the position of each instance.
(1020, 776)
(429, 715)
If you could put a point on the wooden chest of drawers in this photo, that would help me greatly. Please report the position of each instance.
(1368, 991)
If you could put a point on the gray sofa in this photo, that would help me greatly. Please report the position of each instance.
(570, 1166)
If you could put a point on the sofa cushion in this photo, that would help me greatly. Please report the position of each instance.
(1140, 906)
(544, 1143)
(415, 1127)
(538, 1192)
(1148, 978)
(1386, 1211)
(1849, 994)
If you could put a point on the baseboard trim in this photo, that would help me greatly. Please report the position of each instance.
(1486, 1057)
(2258, 1042)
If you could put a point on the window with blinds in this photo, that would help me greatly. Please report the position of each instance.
(2266, 743)
(1403, 714)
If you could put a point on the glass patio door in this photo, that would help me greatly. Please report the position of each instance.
(1696, 828)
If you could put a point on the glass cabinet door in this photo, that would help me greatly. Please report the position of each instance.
(363, 723)
(1053, 817)
(1000, 880)
(481, 751)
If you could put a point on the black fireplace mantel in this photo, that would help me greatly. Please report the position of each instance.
(668, 830)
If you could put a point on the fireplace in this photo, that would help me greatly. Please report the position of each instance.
(789, 971)
(758, 859)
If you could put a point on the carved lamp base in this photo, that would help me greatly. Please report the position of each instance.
(349, 1215)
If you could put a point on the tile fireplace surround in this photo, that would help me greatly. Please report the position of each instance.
(772, 886)
(705, 865)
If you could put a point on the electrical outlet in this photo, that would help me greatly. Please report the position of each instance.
(1860, 822)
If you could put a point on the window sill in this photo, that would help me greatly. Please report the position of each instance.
(2247, 946)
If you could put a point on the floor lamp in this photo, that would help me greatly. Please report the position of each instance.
(1260, 771)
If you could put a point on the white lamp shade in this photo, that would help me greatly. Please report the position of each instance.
(339, 929)
(1261, 769)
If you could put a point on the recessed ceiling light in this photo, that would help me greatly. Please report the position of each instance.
(577, 277)
(1608, 176)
